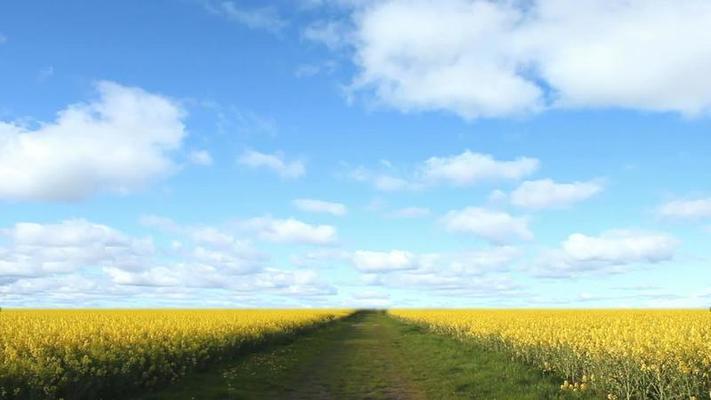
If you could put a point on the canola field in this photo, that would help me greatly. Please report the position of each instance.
(620, 354)
(73, 354)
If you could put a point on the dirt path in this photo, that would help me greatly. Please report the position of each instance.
(368, 356)
(366, 363)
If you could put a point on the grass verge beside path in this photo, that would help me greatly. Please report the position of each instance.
(370, 356)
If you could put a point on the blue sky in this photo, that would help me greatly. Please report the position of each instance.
(372, 153)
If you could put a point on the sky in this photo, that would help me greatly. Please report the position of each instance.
(335, 153)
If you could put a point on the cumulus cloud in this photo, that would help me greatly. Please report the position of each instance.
(297, 283)
(290, 230)
(383, 181)
(210, 259)
(274, 162)
(480, 58)
(465, 169)
(35, 250)
(41, 249)
(459, 63)
(405, 263)
(157, 276)
(320, 206)
(211, 246)
(78, 260)
(379, 261)
(620, 247)
(200, 157)
(546, 193)
(494, 226)
(119, 142)
(213, 237)
(67, 285)
(500, 289)
(270, 281)
(693, 209)
(469, 168)
(480, 274)
(609, 251)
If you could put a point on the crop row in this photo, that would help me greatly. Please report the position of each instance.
(621, 354)
(78, 354)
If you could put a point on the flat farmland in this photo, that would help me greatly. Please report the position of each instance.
(346, 354)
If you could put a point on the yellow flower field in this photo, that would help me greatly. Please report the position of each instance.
(622, 354)
(53, 354)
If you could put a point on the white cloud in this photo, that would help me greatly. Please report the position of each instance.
(546, 193)
(40, 249)
(77, 261)
(274, 162)
(158, 276)
(264, 18)
(3, 38)
(641, 53)
(211, 246)
(72, 290)
(79, 246)
(236, 259)
(432, 270)
(213, 237)
(686, 209)
(481, 274)
(271, 281)
(200, 157)
(320, 206)
(493, 226)
(480, 58)
(120, 142)
(410, 212)
(378, 261)
(460, 62)
(620, 247)
(388, 183)
(72, 245)
(469, 168)
(290, 230)
(499, 289)
(610, 251)
(298, 283)
(383, 181)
